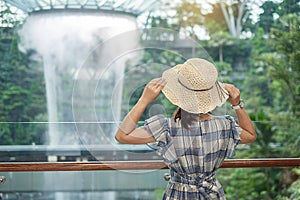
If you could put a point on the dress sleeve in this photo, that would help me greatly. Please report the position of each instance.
(234, 136)
(157, 126)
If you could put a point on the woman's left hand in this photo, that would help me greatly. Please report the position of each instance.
(152, 90)
(234, 94)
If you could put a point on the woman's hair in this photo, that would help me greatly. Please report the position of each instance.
(184, 117)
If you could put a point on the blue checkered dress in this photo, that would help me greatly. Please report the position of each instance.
(194, 155)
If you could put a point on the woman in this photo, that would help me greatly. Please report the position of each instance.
(193, 143)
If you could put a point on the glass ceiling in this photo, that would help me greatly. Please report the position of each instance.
(135, 7)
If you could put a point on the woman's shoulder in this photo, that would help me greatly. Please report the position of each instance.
(159, 117)
(225, 121)
(158, 120)
(224, 118)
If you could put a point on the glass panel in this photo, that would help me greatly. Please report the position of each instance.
(110, 185)
(144, 185)
(76, 92)
(68, 78)
(31, 147)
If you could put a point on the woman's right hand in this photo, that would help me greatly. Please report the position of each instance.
(152, 90)
(234, 94)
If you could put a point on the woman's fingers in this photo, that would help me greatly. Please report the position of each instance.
(161, 83)
(158, 83)
(234, 94)
(231, 89)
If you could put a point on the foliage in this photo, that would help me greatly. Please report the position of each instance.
(266, 19)
(189, 15)
(224, 70)
(287, 7)
(158, 194)
(8, 18)
(22, 91)
(273, 84)
(220, 39)
(294, 189)
(283, 64)
(244, 184)
(22, 98)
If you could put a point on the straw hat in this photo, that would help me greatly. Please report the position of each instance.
(193, 86)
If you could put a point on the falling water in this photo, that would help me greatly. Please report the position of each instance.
(84, 56)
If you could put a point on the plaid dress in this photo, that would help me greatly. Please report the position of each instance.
(194, 155)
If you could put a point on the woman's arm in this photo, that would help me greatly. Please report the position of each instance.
(248, 134)
(127, 132)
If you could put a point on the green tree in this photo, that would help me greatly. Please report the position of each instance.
(287, 7)
(280, 66)
(272, 96)
(285, 61)
(225, 24)
(220, 39)
(266, 19)
(273, 13)
(22, 90)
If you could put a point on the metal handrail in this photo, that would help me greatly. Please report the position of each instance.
(139, 165)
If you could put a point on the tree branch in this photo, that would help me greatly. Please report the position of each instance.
(241, 6)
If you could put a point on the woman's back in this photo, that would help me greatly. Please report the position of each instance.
(193, 154)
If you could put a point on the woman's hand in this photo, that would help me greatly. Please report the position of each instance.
(234, 94)
(152, 90)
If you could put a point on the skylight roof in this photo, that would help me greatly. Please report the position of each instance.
(135, 7)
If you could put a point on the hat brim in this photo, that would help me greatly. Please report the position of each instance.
(189, 100)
